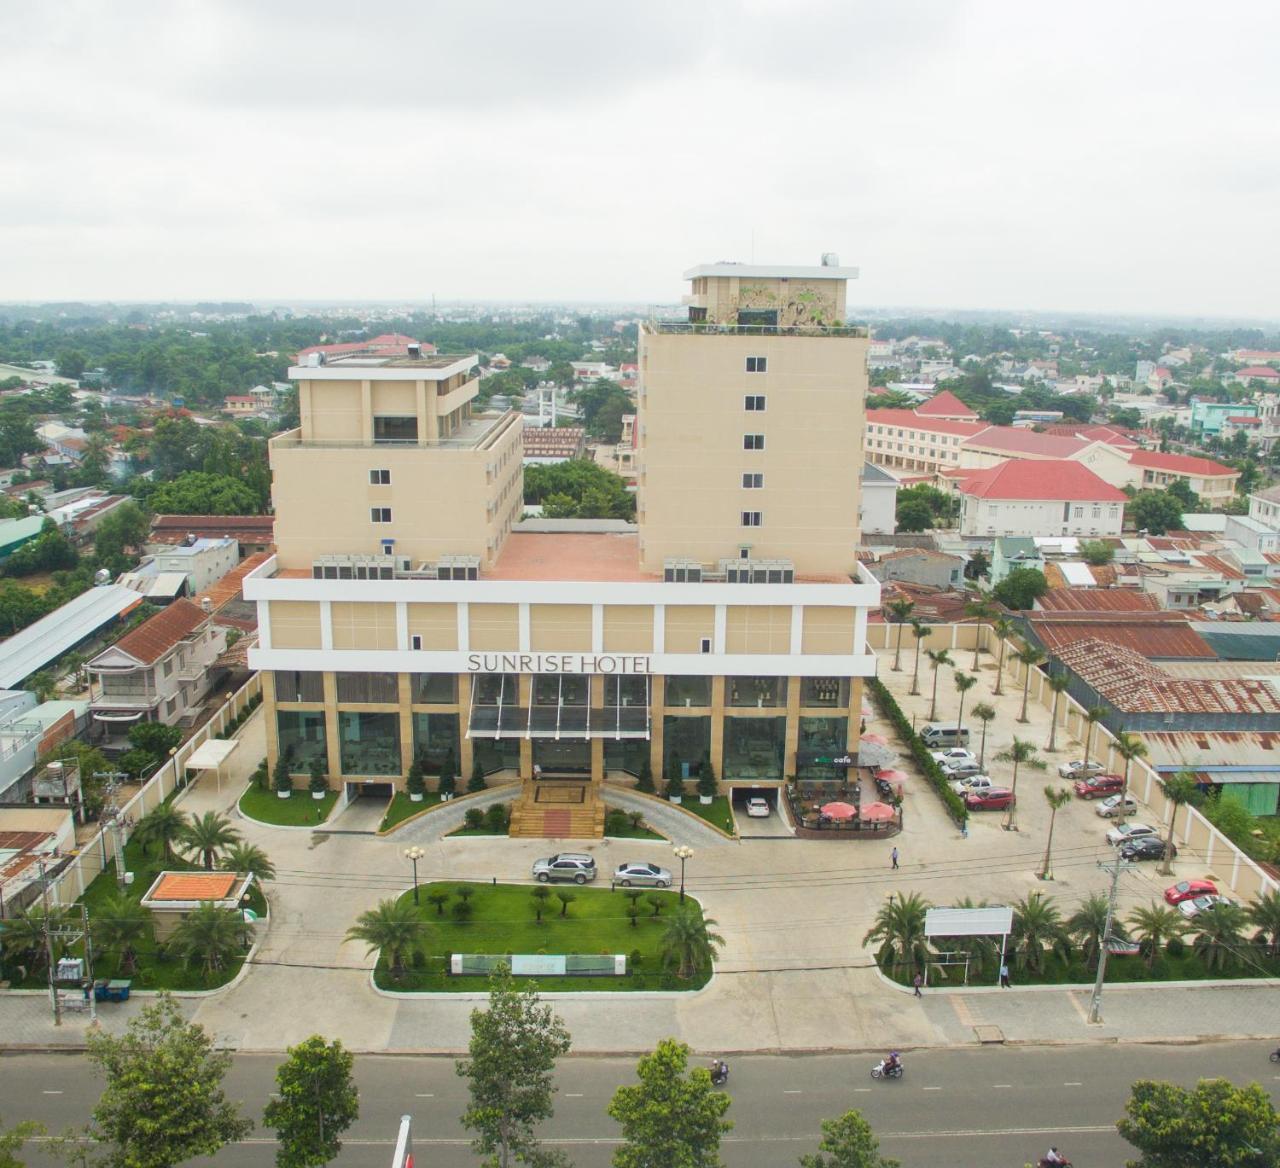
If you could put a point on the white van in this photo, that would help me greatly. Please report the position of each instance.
(937, 735)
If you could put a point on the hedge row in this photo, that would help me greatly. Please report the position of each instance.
(890, 709)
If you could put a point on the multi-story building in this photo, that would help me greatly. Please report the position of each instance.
(402, 616)
(1020, 497)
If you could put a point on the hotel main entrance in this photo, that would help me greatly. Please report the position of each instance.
(565, 758)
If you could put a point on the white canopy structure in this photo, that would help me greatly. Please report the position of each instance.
(994, 921)
(211, 755)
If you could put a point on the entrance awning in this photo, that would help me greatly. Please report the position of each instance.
(506, 717)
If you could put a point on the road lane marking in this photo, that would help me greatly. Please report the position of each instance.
(860, 1090)
(50, 1092)
(794, 1092)
(1081, 1084)
(1001, 1086)
(425, 1095)
(573, 1095)
(931, 1088)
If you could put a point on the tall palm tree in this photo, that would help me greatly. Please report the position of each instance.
(920, 631)
(207, 936)
(165, 825)
(937, 658)
(1092, 716)
(242, 857)
(964, 683)
(118, 927)
(688, 942)
(982, 612)
(1058, 682)
(899, 610)
(208, 836)
(1088, 925)
(1057, 798)
(899, 931)
(24, 934)
(1037, 930)
(1003, 628)
(985, 713)
(391, 926)
(1179, 789)
(1022, 754)
(1264, 913)
(1128, 748)
(1219, 935)
(1029, 656)
(1154, 926)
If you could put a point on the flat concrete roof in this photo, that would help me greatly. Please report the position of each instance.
(578, 556)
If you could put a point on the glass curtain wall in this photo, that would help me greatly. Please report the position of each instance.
(753, 747)
(302, 739)
(685, 742)
(435, 736)
(370, 743)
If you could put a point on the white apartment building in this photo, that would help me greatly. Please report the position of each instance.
(1038, 498)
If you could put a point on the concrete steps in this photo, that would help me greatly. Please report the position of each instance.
(531, 819)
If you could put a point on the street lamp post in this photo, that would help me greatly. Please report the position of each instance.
(413, 855)
(682, 853)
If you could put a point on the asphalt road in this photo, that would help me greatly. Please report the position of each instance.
(965, 1109)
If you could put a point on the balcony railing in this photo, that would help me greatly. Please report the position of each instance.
(757, 330)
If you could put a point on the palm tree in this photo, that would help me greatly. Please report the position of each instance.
(984, 712)
(1154, 926)
(119, 926)
(1178, 789)
(207, 936)
(1003, 628)
(242, 857)
(164, 824)
(1128, 748)
(1057, 682)
(1037, 927)
(964, 683)
(24, 934)
(1265, 914)
(899, 931)
(937, 658)
(1022, 754)
(1092, 716)
(920, 631)
(982, 612)
(1057, 798)
(1219, 935)
(1030, 657)
(899, 610)
(210, 834)
(1088, 925)
(391, 926)
(688, 942)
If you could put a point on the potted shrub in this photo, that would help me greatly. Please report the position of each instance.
(477, 782)
(448, 781)
(644, 781)
(283, 779)
(319, 784)
(675, 789)
(707, 788)
(414, 782)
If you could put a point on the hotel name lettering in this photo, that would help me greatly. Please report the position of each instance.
(557, 663)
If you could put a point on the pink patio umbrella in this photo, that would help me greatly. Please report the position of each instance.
(892, 776)
(878, 739)
(877, 813)
(839, 810)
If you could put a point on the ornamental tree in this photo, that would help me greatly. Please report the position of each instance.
(317, 1101)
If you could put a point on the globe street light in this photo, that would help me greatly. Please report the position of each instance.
(682, 853)
(413, 855)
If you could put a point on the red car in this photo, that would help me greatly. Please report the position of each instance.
(1099, 785)
(1189, 890)
(989, 799)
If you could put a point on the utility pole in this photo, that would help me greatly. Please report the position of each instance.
(1115, 867)
(88, 964)
(48, 944)
(111, 818)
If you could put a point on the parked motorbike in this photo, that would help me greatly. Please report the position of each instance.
(1275, 1055)
(883, 1071)
(719, 1074)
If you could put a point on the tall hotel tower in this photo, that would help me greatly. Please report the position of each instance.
(406, 613)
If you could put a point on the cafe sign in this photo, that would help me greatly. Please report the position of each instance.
(616, 663)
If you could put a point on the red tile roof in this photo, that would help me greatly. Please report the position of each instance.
(1108, 434)
(1094, 600)
(909, 418)
(225, 590)
(1263, 371)
(152, 639)
(946, 405)
(193, 886)
(1054, 479)
(1186, 464)
(1017, 440)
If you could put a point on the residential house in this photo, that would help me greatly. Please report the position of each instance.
(35, 838)
(1014, 551)
(1046, 498)
(878, 515)
(624, 452)
(1207, 417)
(158, 672)
(593, 370)
(1262, 373)
(240, 405)
(1264, 506)
(920, 566)
(14, 533)
(252, 533)
(201, 561)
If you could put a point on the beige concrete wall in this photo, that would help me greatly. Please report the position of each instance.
(363, 626)
(560, 628)
(628, 628)
(827, 630)
(295, 624)
(494, 626)
(757, 628)
(685, 625)
(693, 419)
(436, 624)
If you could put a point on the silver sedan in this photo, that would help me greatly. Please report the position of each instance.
(645, 875)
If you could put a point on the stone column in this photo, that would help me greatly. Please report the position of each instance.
(792, 738)
(404, 696)
(717, 725)
(331, 738)
(466, 752)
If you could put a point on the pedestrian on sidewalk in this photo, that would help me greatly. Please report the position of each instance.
(893, 856)
(1004, 975)
(917, 982)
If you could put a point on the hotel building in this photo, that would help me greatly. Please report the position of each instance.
(407, 613)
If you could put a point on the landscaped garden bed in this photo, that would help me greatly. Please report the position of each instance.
(402, 808)
(718, 812)
(299, 810)
(503, 919)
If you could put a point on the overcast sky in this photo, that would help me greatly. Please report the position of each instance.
(1107, 157)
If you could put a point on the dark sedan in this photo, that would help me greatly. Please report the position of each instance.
(1150, 847)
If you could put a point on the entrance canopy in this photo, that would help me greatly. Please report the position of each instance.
(210, 755)
(558, 706)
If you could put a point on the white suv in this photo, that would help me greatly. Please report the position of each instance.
(954, 755)
(575, 866)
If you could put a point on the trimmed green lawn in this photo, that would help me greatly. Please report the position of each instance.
(299, 810)
(643, 832)
(155, 971)
(503, 921)
(402, 807)
(464, 830)
(717, 812)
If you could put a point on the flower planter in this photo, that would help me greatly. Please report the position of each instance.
(706, 800)
(675, 798)
(318, 794)
(283, 794)
(415, 798)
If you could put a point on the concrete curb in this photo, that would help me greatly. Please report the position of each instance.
(418, 816)
(283, 826)
(1076, 986)
(605, 787)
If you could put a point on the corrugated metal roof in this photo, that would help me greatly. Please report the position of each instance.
(1240, 641)
(1153, 635)
(35, 646)
(1098, 600)
(1197, 749)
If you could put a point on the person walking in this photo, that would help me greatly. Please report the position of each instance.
(917, 982)
(1004, 975)
(893, 857)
